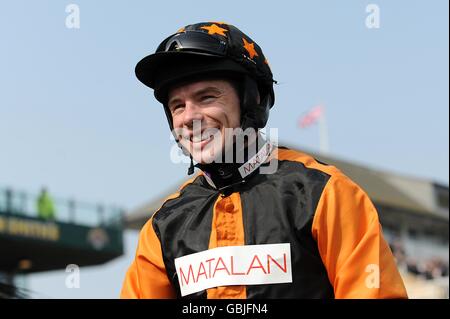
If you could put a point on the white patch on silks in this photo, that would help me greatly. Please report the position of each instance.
(234, 265)
(256, 161)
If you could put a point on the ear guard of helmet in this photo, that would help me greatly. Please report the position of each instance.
(254, 114)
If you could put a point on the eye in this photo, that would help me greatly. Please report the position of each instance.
(177, 108)
(206, 98)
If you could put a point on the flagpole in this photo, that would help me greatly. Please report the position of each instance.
(323, 133)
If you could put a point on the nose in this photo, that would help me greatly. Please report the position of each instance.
(192, 112)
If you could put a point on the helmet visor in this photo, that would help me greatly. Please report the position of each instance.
(194, 41)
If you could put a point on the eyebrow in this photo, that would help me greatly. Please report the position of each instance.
(208, 89)
(212, 89)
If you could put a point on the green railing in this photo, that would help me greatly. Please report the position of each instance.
(19, 203)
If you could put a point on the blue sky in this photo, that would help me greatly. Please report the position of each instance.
(74, 117)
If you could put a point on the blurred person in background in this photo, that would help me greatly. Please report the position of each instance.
(45, 205)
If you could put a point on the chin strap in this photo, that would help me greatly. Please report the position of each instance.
(224, 175)
(191, 167)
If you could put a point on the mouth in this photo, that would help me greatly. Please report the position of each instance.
(202, 143)
(201, 140)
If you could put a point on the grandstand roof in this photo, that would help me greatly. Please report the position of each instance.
(407, 193)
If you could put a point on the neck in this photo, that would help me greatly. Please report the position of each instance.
(245, 163)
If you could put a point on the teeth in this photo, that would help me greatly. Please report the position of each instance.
(197, 139)
(206, 135)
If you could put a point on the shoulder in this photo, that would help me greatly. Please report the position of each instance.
(304, 160)
(189, 191)
(167, 202)
(301, 166)
(314, 171)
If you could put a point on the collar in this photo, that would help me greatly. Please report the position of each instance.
(225, 175)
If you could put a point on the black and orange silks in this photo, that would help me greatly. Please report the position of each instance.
(329, 221)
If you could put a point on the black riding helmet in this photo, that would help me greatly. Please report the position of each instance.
(212, 50)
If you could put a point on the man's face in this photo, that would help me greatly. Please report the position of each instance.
(201, 113)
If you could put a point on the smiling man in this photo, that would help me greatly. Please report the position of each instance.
(257, 221)
(203, 112)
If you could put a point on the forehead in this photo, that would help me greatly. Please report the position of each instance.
(195, 86)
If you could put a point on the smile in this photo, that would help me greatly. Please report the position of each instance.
(202, 143)
(203, 139)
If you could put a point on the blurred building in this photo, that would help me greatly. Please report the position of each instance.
(414, 214)
(41, 233)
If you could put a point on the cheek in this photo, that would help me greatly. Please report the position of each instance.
(234, 115)
(235, 120)
(177, 121)
(177, 127)
(231, 110)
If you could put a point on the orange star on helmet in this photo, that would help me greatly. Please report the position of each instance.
(250, 47)
(215, 29)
